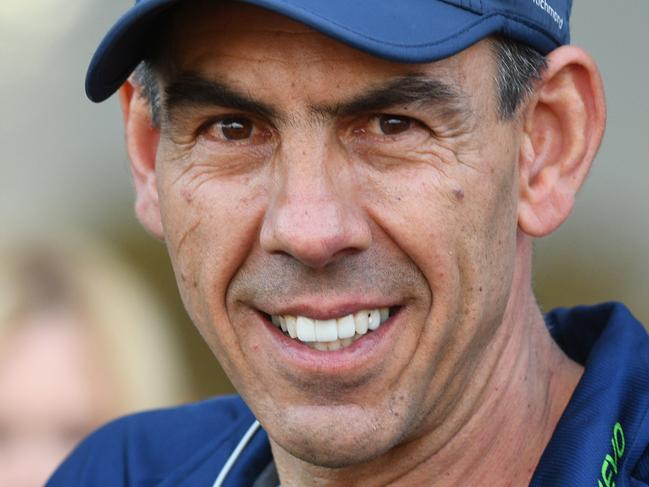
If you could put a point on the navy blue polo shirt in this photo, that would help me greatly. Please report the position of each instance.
(602, 439)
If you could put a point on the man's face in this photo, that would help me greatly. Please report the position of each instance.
(300, 177)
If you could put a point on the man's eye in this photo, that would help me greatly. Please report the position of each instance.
(386, 127)
(393, 124)
(234, 128)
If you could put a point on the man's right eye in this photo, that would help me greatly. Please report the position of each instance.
(231, 128)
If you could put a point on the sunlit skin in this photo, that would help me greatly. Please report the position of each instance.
(53, 392)
(313, 207)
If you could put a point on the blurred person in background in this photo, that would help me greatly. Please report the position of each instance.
(74, 320)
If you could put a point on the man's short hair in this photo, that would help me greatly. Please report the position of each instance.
(518, 68)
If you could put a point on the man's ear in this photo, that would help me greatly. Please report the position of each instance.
(142, 139)
(563, 127)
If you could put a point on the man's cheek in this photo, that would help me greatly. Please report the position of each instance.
(183, 227)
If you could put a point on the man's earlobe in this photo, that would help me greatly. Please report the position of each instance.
(563, 128)
(142, 139)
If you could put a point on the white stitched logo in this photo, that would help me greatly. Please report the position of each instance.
(544, 5)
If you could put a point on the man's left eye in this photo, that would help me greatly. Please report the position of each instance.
(393, 124)
(390, 128)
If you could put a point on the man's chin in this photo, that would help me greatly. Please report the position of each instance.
(334, 440)
(332, 455)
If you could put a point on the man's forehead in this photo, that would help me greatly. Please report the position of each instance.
(408, 31)
(226, 38)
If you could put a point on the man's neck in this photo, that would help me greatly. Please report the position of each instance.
(501, 441)
(496, 431)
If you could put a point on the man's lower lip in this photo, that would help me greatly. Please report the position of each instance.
(300, 357)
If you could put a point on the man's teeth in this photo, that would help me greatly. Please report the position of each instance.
(334, 333)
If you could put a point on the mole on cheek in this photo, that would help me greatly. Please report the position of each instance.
(458, 192)
(187, 196)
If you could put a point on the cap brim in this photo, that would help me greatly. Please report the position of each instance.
(421, 31)
(122, 49)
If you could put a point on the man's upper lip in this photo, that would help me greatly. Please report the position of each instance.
(323, 309)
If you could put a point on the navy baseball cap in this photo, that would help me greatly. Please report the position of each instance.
(407, 31)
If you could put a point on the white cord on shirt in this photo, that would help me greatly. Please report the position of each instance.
(235, 454)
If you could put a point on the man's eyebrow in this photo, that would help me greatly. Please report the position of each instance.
(193, 90)
(190, 89)
(409, 89)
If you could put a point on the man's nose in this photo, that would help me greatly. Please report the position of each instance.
(314, 214)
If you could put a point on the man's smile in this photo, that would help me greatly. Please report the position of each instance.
(333, 333)
(308, 346)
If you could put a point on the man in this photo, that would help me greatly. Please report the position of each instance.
(349, 193)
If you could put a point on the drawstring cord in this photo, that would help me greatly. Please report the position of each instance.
(235, 454)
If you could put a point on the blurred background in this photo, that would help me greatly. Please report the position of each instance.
(64, 169)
